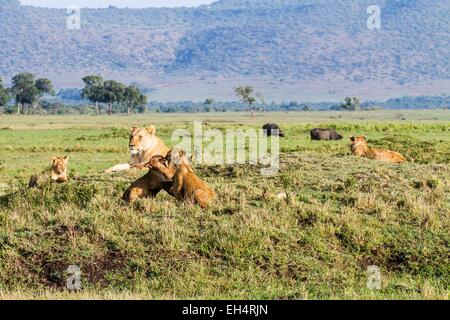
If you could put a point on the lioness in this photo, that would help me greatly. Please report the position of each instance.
(188, 186)
(57, 173)
(144, 144)
(159, 177)
(360, 148)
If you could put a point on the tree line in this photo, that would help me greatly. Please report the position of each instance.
(30, 96)
(112, 96)
(27, 93)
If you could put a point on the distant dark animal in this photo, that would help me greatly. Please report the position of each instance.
(271, 127)
(325, 134)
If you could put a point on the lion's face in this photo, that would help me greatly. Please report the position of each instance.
(59, 165)
(141, 139)
(178, 157)
(358, 144)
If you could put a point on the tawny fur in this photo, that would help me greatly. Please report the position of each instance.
(166, 165)
(143, 145)
(57, 173)
(360, 148)
(159, 177)
(188, 187)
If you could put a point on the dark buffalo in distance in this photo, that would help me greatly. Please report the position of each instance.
(325, 134)
(271, 127)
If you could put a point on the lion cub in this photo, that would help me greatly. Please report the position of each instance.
(57, 173)
(360, 148)
(166, 165)
(186, 184)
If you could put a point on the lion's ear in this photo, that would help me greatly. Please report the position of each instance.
(151, 130)
(134, 128)
(352, 139)
(363, 138)
(54, 159)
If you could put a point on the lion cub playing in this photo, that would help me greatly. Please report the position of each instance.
(159, 177)
(360, 148)
(57, 173)
(186, 184)
(166, 165)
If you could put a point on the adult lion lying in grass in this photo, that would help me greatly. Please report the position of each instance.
(144, 144)
(57, 173)
(360, 148)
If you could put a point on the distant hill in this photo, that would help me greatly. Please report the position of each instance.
(288, 49)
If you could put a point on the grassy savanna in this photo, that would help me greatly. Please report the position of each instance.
(342, 214)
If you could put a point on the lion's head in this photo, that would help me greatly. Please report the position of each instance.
(358, 145)
(142, 139)
(179, 157)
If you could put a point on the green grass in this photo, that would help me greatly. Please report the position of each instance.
(343, 213)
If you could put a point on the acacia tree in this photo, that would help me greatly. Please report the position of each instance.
(93, 90)
(245, 94)
(43, 86)
(133, 97)
(4, 94)
(209, 101)
(113, 92)
(24, 91)
(29, 92)
(208, 104)
(351, 104)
